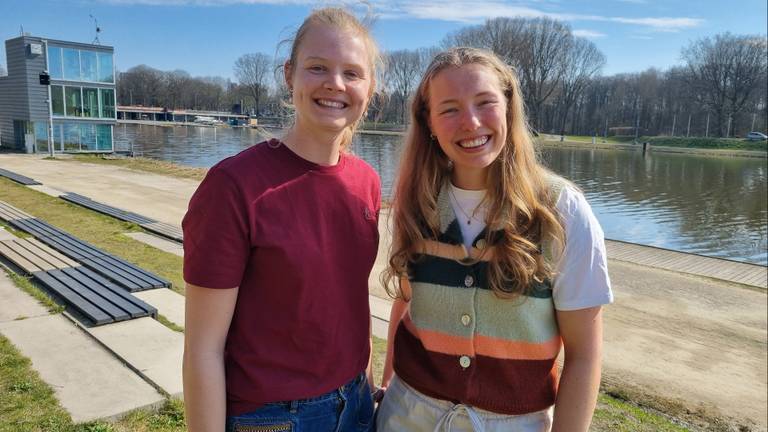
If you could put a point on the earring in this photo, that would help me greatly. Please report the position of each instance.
(432, 137)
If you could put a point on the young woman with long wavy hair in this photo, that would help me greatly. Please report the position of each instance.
(496, 265)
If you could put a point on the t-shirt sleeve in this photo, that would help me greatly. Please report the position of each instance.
(216, 233)
(581, 279)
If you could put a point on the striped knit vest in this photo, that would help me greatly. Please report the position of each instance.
(461, 343)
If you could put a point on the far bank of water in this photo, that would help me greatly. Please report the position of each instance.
(706, 205)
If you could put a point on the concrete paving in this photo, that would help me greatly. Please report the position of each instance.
(150, 348)
(88, 381)
(156, 196)
(169, 303)
(15, 304)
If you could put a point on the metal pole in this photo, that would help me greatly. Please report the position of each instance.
(706, 134)
(751, 128)
(605, 131)
(51, 141)
(728, 133)
(688, 133)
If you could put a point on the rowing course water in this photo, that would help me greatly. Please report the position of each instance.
(699, 204)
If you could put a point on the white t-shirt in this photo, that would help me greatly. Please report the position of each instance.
(581, 275)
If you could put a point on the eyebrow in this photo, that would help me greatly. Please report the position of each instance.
(323, 59)
(481, 94)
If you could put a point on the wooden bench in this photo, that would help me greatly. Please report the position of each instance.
(94, 297)
(18, 178)
(166, 230)
(129, 276)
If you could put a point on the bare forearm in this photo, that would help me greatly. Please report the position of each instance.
(204, 392)
(395, 316)
(577, 395)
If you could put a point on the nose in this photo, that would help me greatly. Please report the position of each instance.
(335, 81)
(470, 120)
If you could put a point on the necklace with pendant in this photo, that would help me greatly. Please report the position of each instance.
(461, 208)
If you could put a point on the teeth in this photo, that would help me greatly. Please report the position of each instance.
(330, 103)
(475, 142)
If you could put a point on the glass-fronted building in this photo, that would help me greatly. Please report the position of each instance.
(81, 109)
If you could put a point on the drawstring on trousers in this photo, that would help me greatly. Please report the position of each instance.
(445, 422)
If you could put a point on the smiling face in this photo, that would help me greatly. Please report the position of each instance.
(331, 80)
(467, 115)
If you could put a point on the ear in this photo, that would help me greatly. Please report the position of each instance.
(288, 73)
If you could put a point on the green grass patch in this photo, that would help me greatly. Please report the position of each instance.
(26, 402)
(100, 230)
(690, 142)
(143, 164)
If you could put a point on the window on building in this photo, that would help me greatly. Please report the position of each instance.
(90, 102)
(73, 104)
(58, 136)
(104, 137)
(41, 137)
(71, 64)
(88, 66)
(71, 136)
(57, 99)
(106, 68)
(88, 137)
(54, 62)
(107, 103)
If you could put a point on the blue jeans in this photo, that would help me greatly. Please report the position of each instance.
(346, 409)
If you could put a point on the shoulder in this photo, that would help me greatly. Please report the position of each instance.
(359, 168)
(244, 161)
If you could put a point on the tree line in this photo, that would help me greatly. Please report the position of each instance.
(720, 88)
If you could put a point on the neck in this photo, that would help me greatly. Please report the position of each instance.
(469, 179)
(320, 147)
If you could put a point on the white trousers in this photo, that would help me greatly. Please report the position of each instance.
(404, 409)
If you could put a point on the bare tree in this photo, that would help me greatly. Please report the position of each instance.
(252, 70)
(542, 62)
(402, 72)
(583, 62)
(724, 70)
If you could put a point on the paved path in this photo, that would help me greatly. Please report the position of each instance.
(685, 337)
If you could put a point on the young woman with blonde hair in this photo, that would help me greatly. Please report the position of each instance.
(497, 264)
(278, 244)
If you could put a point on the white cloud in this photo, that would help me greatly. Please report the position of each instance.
(589, 34)
(633, 1)
(478, 11)
(464, 11)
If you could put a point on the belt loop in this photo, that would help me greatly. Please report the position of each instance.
(294, 406)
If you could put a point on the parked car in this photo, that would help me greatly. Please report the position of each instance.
(756, 136)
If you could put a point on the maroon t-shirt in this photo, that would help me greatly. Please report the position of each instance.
(299, 239)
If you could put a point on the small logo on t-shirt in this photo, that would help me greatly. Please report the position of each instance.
(368, 213)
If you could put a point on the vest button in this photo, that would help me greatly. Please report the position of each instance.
(465, 361)
(468, 281)
(466, 319)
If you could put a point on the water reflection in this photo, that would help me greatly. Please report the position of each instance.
(711, 206)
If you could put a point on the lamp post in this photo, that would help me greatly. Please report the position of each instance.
(45, 79)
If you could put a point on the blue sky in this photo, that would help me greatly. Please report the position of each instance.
(205, 37)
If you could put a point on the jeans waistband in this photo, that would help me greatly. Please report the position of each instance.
(325, 396)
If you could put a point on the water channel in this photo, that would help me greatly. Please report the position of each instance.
(706, 205)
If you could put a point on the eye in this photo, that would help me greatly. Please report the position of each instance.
(352, 74)
(488, 102)
(448, 111)
(316, 68)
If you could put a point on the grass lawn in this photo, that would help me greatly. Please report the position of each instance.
(28, 404)
(691, 142)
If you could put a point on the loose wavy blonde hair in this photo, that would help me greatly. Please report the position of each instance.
(340, 19)
(520, 205)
